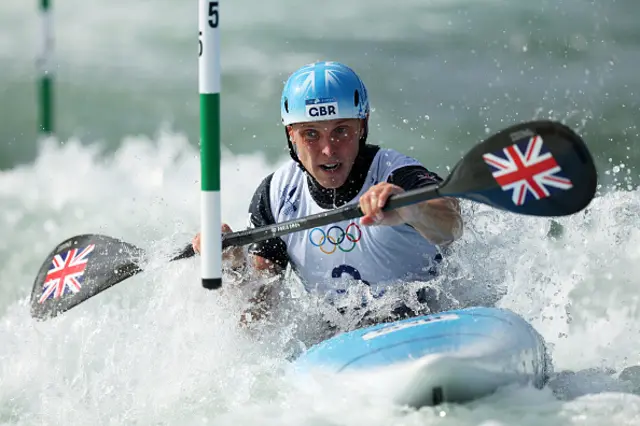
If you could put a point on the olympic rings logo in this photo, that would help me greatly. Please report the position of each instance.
(336, 238)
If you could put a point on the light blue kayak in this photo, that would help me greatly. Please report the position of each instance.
(454, 356)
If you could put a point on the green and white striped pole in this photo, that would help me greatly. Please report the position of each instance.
(209, 82)
(44, 62)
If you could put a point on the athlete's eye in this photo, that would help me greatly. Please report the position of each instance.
(310, 135)
(342, 132)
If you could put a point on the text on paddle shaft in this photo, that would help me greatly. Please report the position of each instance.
(285, 227)
(213, 21)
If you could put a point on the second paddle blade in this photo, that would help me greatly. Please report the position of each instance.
(540, 168)
(79, 268)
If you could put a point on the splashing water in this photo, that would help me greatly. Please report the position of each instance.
(159, 349)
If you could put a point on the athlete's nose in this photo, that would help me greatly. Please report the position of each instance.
(328, 147)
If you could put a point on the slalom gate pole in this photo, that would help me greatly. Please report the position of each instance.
(209, 83)
(45, 71)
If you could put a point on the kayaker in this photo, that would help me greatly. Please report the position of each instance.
(325, 111)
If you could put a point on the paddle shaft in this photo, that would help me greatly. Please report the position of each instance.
(350, 211)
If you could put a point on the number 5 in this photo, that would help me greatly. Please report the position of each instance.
(213, 14)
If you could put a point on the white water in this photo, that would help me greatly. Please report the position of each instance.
(159, 349)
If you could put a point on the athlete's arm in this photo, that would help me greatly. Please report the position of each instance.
(268, 255)
(268, 259)
(439, 220)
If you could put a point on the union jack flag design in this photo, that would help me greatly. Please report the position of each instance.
(66, 273)
(528, 169)
(319, 77)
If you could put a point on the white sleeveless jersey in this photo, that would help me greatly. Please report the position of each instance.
(328, 258)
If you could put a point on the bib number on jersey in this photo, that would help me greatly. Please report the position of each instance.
(340, 270)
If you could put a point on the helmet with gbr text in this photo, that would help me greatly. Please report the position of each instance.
(323, 91)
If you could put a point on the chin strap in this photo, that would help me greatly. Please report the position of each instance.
(292, 150)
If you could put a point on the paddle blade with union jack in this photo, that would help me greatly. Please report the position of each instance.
(66, 273)
(78, 268)
(528, 169)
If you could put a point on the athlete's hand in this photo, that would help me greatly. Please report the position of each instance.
(234, 255)
(372, 202)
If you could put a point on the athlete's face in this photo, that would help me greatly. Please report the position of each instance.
(327, 149)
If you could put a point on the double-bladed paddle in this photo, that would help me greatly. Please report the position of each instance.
(539, 168)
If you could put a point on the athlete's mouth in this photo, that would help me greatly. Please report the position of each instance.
(330, 167)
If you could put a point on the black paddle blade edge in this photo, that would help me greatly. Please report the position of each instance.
(538, 168)
(79, 268)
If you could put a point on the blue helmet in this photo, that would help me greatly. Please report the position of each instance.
(323, 91)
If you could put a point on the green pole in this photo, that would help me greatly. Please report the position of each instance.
(45, 89)
(209, 82)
